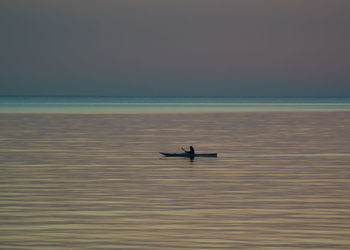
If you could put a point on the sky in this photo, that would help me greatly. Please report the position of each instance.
(175, 47)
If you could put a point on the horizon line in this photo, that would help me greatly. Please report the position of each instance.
(167, 96)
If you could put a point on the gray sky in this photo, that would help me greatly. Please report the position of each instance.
(175, 47)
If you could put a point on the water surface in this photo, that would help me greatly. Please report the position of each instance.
(99, 105)
(87, 181)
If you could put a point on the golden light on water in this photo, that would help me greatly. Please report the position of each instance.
(281, 181)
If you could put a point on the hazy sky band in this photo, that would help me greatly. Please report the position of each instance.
(219, 48)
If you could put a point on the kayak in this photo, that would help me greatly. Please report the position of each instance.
(188, 155)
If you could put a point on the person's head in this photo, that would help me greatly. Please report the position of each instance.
(191, 147)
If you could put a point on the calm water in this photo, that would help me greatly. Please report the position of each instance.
(89, 181)
(98, 105)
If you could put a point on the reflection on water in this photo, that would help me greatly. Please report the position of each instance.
(281, 181)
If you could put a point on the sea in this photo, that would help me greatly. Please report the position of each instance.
(86, 173)
(98, 105)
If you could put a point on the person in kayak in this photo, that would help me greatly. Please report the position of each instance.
(191, 151)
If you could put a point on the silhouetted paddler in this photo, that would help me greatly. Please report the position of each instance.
(191, 151)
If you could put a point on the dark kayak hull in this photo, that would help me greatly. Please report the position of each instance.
(188, 155)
